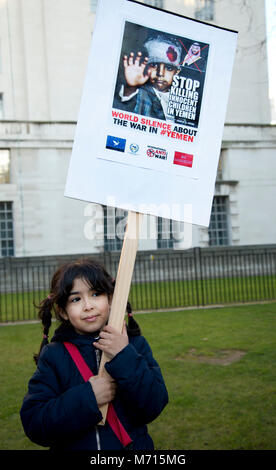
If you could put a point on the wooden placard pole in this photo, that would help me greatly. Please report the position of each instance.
(122, 286)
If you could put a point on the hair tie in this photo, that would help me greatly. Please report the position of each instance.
(45, 336)
(50, 296)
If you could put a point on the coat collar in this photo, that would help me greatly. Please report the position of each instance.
(65, 332)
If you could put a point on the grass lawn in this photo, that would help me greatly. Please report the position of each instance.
(218, 364)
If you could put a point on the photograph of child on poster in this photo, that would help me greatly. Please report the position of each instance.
(160, 75)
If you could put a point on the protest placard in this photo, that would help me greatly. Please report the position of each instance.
(156, 151)
(152, 114)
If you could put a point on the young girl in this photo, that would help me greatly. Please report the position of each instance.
(61, 409)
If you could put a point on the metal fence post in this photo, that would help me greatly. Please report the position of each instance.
(198, 277)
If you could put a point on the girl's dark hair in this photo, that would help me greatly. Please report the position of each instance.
(62, 282)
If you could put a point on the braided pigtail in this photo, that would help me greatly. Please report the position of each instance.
(44, 313)
(132, 327)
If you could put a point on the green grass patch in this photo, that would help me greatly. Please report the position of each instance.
(212, 406)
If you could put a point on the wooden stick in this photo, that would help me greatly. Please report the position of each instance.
(122, 286)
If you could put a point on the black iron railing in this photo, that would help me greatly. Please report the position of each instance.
(162, 279)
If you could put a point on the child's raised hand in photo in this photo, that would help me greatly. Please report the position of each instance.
(134, 70)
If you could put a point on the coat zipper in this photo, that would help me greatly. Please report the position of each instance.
(98, 358)
(98, 438)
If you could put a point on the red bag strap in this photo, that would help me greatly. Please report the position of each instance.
(84, 370)
(86, 373)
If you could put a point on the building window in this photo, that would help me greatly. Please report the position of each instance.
(204, 10)
(164, 233)
(1, 106)
(93, 5)
(6, 229)
(114, 228)
(220, 167)
(4, 166)
(219, 222)
(155, 3)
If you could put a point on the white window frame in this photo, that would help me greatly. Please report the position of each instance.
(114, 228)
(165, 236)
(219, 227)
(93, 5)
(155, 3)
(6, 229)
(204, 10)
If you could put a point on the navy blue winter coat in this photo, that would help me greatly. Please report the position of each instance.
(60, 409)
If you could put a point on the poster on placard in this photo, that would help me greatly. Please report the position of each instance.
(152, 114)
(159, 91)
(160, 76)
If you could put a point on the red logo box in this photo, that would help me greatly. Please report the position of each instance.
(184, 159)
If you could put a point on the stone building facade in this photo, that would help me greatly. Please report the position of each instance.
(44, 48)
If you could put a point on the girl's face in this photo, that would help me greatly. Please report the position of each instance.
(86, 310)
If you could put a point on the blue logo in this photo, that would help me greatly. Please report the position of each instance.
(115, 143)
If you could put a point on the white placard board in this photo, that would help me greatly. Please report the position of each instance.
(153, 147)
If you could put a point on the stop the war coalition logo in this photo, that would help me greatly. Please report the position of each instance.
(156, 152)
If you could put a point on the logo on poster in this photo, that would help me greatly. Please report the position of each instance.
(134, 148)
(115, 143)
(184, 159)
(157, 152)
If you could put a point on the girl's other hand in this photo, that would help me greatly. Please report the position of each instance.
(104, 388)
